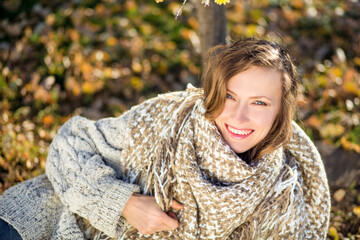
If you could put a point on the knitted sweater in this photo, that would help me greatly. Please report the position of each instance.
(284, 195)
(82, 179)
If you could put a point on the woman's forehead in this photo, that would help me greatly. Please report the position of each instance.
(256, 81)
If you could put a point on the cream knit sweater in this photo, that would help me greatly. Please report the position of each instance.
(82, 168)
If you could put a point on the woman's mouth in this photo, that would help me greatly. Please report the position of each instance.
(238, 133)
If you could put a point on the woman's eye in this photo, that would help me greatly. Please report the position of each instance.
(229, 96)
(260, 103)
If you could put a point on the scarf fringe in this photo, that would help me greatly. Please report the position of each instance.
(280, 206)
(161, 175)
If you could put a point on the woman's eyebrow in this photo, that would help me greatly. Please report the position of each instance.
(254, 97)
(228, 90)
(257, 97)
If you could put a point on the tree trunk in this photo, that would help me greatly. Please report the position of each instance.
(212, 25)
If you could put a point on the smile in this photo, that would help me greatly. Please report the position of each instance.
(238, 133)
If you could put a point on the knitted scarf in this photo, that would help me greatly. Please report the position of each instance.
(174, 152)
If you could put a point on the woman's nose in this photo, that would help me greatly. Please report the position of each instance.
(241, 113)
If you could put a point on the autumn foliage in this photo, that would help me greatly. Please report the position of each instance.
(98, 58)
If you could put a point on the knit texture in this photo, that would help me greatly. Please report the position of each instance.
(31, 208)
(284, 195)
(81, 182)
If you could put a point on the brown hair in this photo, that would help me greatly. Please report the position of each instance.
(225, 61)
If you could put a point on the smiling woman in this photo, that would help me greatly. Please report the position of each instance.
(255, 68)
(223, 162)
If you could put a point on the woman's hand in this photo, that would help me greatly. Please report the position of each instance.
(143, 213)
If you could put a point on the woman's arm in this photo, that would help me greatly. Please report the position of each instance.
(81, 166)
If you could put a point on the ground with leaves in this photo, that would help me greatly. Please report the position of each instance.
(97, 58)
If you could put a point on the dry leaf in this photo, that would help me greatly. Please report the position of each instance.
(349, 145)
(313, 121)
(334, 233)
(339, 195)
(48, 119)
(111, 41)
(332, 130)
(356, 210)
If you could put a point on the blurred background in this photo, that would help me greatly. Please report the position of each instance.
(98, 58)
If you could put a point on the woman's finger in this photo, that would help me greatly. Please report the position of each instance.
(171, 221)
(176, 205)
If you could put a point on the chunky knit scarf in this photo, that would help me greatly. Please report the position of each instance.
(174, 152)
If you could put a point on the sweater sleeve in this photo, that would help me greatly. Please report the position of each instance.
(83, 166)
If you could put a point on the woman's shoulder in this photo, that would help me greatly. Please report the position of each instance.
(180, 96)
(301, 146)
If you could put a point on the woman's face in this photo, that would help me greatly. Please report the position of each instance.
(252, 103)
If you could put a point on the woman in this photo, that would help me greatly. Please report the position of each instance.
(222, 162)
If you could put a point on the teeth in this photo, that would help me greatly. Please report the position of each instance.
(239, 132)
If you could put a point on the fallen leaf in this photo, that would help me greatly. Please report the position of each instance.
(356, 210)
(314, 121)
(332, 130)
(339, 195)
(334, 233)
(111, 41)
(346, 144)
(48, 119)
